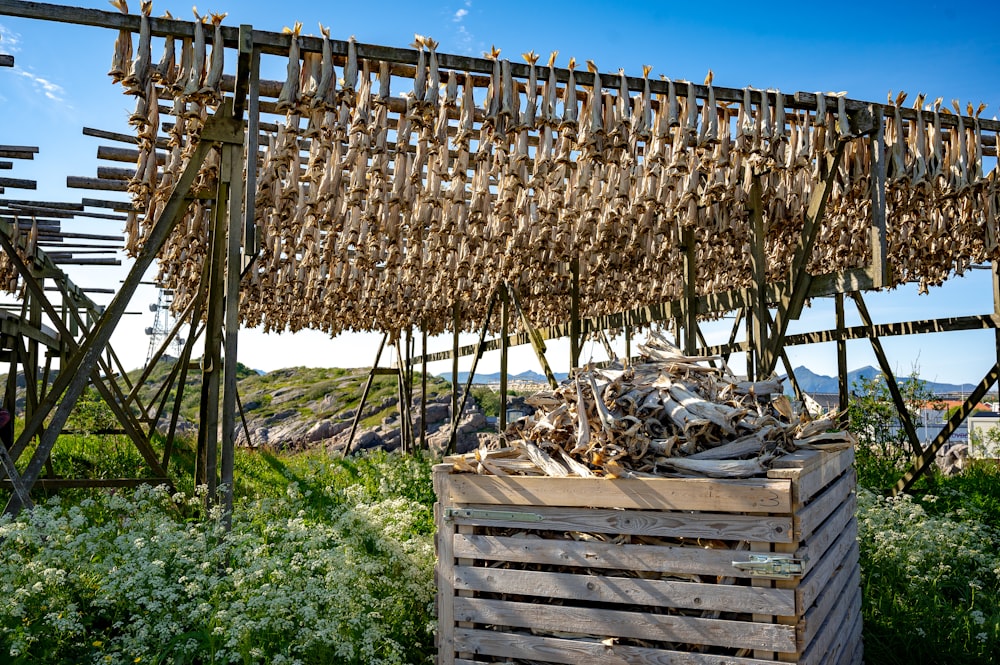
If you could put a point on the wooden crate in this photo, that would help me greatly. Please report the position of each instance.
(514, 584)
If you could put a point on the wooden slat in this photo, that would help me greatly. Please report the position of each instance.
(763, 495)
(723, 526)
(844, 549)
(858, 656)
(842, 586)
(811, 481)
(808, 519)
(637, 592)
(835, 636)
(667, 628)
(651, 558)
(581, 652)
(813, 550)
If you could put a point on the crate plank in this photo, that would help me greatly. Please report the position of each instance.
(722, 526)
(703, 494)
(631, 591)
(584, 554)
(848, 578)
(812, 552)
(833, 636)
(808, 519)
(844, 550)
(582, 652)
(809, 482)
(802, 460)
(444, 574)
(615, 623)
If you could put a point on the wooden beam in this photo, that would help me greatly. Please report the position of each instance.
(80, 182)
(18, 183)
(6, 60)
(80, 366)
(921, 462)
(364, 395)
(890, 379)
(790, 307)
(879, 242)
(472, 372)
(574, 314)
(843, 397)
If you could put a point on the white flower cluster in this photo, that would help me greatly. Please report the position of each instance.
(944, 569)
(125, 579)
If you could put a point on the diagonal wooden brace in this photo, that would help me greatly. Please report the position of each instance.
(890, 379)
(221, 127)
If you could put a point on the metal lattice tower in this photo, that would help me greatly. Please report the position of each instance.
(163, 322)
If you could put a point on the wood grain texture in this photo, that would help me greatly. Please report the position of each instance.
(582, 652)
(722, 526)
(594, 555)
(626, 591)
(764, 495)
(808, 519)
(814, 549)
(613, 623)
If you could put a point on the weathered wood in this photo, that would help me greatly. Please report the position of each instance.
(113, 154)
(924, 460)
(837, 493)
(723, 526)
(80, 365)
(834, 636)
(842, 586)
(879, 242)
(457, 416)
(6, 60)
(692, 630)
(622, 590)
(581, 652)
(665, 559)
(759, 495)
(18, 183)
(843, 398)
(444, 577)
(902, 410)
(364, 395)
(80, 182)
(844, 548)
(160, 143)
(818, 543)
(810, 480)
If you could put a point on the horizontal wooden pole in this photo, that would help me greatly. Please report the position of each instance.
(121, 206)
(4, 164)
(68, 483)
(128, 155)
(18, 183)
(114, 173)
(79, 182)
(6, 60)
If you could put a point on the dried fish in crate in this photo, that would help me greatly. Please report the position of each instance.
(667, 415)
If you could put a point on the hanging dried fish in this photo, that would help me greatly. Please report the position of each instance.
(121, 63)
(289, 96)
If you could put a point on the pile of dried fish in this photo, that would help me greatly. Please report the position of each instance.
(668, 415)
(378, 207)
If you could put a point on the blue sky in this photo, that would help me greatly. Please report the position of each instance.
(59, 85)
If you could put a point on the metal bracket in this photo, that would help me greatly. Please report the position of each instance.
(779, 566)
(503, 515)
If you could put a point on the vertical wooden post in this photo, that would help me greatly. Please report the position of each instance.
(250, 239)
(234, 246)
(690, 321)
(879, 266)
(843, 396)
(206, 464)
(423, 389)
(504, 348)
(758, 292)
(456, 324)
(574, 315)
(628, 342)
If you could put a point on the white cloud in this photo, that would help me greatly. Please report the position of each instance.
(9, 41)
(51, 90)
(460, 14)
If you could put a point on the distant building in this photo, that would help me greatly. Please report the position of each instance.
(984, 443)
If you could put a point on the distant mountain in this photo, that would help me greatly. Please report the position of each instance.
(527, 376)
(811, 382)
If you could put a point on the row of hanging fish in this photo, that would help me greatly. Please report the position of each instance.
(378, 206)
(667, 415)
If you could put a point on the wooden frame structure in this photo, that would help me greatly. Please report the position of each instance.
(766, 306)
